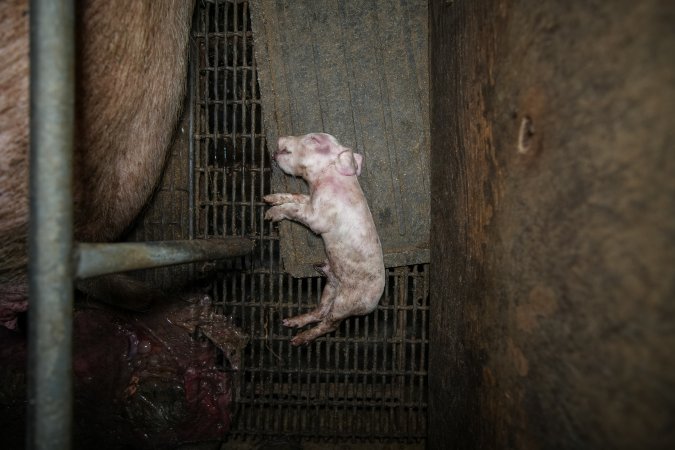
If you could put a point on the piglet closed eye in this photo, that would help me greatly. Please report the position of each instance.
(337, 210)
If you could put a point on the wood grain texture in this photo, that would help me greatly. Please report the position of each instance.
(553, 288)
(357, 70)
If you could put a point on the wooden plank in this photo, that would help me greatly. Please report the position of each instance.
(357, 70)
(553, 225)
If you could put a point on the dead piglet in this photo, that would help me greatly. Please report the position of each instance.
(337, 210)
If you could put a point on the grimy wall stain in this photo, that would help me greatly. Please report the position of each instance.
(553, 224)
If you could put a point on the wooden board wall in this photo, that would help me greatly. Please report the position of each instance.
(553, 224)
(357, 70)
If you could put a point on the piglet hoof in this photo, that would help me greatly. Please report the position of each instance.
(272, 199)
(291, 323)
(299, 340)
(275, 214)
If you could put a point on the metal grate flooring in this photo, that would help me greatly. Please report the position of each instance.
(366, 381)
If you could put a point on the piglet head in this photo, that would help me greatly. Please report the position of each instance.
(312, 155)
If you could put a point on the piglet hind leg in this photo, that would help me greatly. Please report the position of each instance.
(332, 316)
(317, 314)
(325, 271)
(324, 327)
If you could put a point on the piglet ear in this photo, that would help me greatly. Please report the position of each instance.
(348, 163)
(359, 162)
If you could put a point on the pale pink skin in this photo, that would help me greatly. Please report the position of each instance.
(337, 210)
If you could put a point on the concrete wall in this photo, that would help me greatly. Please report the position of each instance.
(553, 224)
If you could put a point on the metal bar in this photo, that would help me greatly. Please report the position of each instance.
(52, 86)
(206, 126)
(192, 75)
(99, 259)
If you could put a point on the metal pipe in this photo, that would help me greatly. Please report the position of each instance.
(192, 55)
(52, 86)
(93, 260)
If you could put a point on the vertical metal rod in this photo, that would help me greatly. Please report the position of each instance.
(192, 63)
(192, 75)
(52, 86)
(205, 128)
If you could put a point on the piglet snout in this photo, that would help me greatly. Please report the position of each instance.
(278, 153)
(282, 148)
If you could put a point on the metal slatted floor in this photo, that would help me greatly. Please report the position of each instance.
(367, 380)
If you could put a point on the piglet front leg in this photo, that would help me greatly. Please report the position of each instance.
(294, 207)
(280, 199)
(287, 206)
(292, 211)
